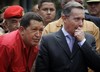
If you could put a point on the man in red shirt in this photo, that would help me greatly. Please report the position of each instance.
(18, 49)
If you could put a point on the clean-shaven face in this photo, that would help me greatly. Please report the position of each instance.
(74, 20)
(32, 33)
(47, 11)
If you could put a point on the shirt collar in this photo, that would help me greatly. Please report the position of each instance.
(65, 32)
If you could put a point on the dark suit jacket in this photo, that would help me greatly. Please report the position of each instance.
(55, 56)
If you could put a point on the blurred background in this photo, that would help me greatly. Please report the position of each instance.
(26, 4)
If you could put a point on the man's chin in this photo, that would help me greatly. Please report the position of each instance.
(34, 44)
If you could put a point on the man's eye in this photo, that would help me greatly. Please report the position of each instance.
(51, 9)
(14, 21)
(77, 19)
(41, 30)
(45, 9)
(34, 29)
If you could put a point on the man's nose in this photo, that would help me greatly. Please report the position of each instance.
(81, 23)
(48, 11)
(38, 33)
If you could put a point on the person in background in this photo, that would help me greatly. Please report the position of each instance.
(19, 48)
(2, 27)
(94, 12)
(69, 49)
(12, 17)
(47, 10)
(35, 8)
(93, 7)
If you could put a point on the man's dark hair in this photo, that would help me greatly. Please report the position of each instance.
(40, 2)
(25, 21)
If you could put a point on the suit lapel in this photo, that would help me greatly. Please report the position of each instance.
(76, 47)
(62, 42)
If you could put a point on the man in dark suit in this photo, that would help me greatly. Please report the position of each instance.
(69, 49)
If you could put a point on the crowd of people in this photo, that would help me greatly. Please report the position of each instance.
(50, 40)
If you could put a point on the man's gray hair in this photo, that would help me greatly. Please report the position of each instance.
(70, 5)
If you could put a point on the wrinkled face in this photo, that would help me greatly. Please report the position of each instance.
(74, 20)
(32, 33)
(47, 11)
(94, 8)
(13, 24)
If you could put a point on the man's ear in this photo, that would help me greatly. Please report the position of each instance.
(38, 11)
(6, 23)
(21, 28)
(63, 17)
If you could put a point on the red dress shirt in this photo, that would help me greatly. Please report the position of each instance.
(13, 54)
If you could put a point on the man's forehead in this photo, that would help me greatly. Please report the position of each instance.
(12, 19)
(47, 3)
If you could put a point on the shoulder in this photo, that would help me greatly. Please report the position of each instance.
(88, 25)
(94, 19)
(55, 23)
(49, 36)
(91, 17)
(9, 38)
(89, 36)
(53, 27)
(90, 40)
